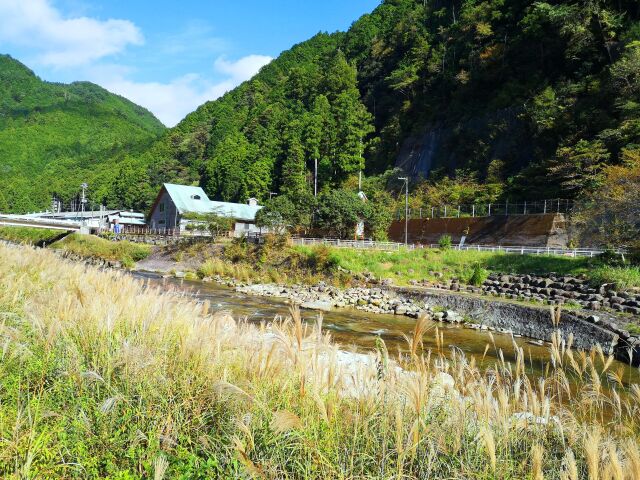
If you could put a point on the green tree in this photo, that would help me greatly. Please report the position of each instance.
(378, 215)
(131, 187)
(276, 215)
(353, 125)
(576, 168)
(610, 215)
(626, 71)
(287, 213)
(294, 172)
(215, 222)
(224, 174)
(339, 212)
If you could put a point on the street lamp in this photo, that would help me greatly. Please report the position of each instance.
(406, 209)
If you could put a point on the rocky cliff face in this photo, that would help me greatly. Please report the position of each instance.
(471, 143)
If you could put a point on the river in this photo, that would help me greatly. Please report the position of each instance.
(356, 330)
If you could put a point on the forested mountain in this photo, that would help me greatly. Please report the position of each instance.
(487, 98)
(476, 99)
(53, 137)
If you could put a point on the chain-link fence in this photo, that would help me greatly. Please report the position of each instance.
(537, 207)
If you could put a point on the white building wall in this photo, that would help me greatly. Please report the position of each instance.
(244, 228)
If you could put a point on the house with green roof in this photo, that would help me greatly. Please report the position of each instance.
(174, 201)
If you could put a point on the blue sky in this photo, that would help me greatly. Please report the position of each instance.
(167, 55)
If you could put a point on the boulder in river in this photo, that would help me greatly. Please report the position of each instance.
(317, 305)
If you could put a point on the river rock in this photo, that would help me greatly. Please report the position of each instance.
(317, 305)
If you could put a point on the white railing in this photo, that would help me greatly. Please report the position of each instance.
(359, 244)
(393, 246)
(521, 250)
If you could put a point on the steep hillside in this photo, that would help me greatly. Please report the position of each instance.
(531, 96)
(53, 137)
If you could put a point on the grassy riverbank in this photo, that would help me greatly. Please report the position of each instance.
(127, 253)
(277, 262)
(29, 236)
(404, 266)
(102, 378)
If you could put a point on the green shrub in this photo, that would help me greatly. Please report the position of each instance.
(321, 259)
(107, 235)
(127, 262)
(478, 276)
(237, 251)
(445, 242)
(127, 253)
(611, 258)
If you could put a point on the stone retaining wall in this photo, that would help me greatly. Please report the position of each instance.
(552, 289)
(529, 321)
(562, 289)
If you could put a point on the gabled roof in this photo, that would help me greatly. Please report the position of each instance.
(188, 199)
(193, 200)
(239, 211)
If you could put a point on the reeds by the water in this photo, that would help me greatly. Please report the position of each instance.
(101, 376)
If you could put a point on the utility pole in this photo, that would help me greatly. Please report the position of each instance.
(406, 209)
(360, 172)
(315, 177)
(84, 198)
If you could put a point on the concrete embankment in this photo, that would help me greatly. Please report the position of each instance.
(534, 230)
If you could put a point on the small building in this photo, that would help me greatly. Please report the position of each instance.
(94, 220)
(174, 201)
(127, 219)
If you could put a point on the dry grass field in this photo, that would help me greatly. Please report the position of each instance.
(102, 377)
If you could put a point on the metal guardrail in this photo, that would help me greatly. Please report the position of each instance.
(169, 232)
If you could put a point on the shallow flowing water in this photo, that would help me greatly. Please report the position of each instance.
(356, 330)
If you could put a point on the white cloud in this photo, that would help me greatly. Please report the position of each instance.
(63, 42)
(242, 69)
(172, 101)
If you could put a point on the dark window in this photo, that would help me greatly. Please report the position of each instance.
(162, 207)
(196, 197)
